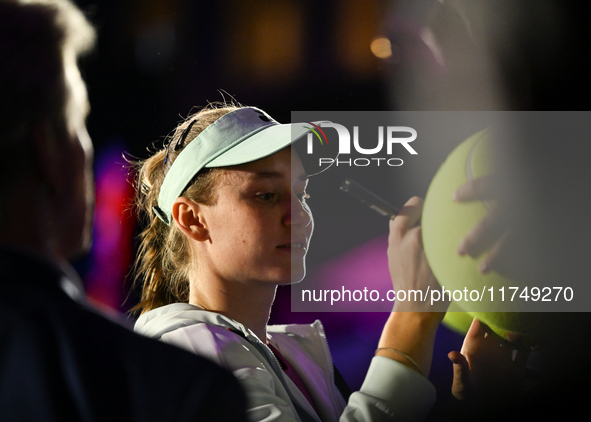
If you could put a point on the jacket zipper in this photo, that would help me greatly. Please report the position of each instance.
(281, 375)
(328, 358)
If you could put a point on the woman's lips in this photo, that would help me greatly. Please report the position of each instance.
(294, 246)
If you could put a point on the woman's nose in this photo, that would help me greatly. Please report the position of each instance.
(298, 212)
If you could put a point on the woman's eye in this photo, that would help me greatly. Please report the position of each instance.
(268, 196)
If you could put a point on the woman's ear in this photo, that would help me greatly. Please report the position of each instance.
(188, 216)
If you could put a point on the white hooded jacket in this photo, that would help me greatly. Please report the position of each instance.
(391, 391)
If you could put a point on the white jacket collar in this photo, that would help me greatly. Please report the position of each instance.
(162, 320)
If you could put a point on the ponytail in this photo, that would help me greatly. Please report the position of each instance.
(163, 261)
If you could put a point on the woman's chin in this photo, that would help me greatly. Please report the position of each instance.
(297, 274)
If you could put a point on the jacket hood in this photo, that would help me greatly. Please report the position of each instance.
(162, 320)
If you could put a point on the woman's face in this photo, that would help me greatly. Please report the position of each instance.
(259, 228)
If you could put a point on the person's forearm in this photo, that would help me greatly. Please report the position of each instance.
(413, 334)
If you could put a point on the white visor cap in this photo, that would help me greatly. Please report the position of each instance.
(240, 136)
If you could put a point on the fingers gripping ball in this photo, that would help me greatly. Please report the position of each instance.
(445, 224)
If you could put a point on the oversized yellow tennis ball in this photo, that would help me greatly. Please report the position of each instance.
(457, 320)
(445, 223)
